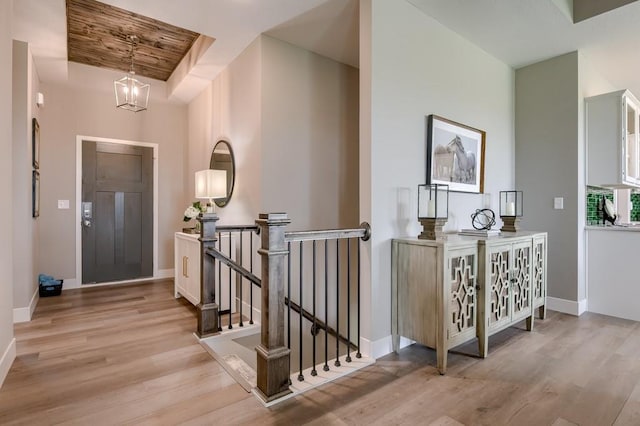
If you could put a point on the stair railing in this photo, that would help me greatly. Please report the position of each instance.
(277, 295)
(273, 366)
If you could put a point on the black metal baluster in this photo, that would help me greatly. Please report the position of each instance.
(230, 273)
(348, 358)
(251, 284)
(300, 376)
(313, 327)
(326, 307)
(241, 279)
(337, 363)
(358, 354)
(219, 283)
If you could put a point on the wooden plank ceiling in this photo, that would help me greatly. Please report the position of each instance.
(97, 35)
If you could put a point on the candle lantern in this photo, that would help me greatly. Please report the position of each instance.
(433, 210)
(511, 208)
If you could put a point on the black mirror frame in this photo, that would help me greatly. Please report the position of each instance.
(221, 202)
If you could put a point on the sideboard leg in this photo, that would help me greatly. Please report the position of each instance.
(483, 345)
(542, 311)
(530, 323)
(441, 355)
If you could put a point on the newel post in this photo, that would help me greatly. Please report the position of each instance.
(207, 308)
(273, 356)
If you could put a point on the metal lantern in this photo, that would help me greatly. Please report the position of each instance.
(131, 93)
(511, 209)
(433, 210)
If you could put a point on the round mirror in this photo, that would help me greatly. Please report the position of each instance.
(222, 159)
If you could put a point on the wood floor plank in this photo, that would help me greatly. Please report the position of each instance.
(127, 355)
(630, 413)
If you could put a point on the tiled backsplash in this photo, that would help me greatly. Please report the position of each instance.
(594, 195)
(635, 210)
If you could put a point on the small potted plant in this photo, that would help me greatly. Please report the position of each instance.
(191, 213)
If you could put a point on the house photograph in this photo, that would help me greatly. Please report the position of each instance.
(320, 212)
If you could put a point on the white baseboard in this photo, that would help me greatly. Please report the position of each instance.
(381, 347)
(7, 360)
(25, 314)
(570, 307)
(256, 312)
(70, 283)
(165, 273)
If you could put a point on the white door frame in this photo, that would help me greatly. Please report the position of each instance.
(79, 139)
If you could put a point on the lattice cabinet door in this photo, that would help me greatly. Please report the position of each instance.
(539, 272)
(463, 299)
(521, 295)
(498, 281)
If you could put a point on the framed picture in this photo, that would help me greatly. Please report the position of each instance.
(35, 143)
(455, 155)
(35, 193)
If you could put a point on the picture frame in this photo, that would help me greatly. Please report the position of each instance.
(35, 193)
(455, 155)
(35, 143)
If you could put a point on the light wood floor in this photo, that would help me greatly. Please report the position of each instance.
(127, 355)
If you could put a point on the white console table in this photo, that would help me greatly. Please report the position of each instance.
(187, 271)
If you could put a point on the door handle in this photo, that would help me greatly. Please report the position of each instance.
(185, 266)
(87, 213)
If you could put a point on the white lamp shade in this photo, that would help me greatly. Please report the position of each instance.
(211, 184)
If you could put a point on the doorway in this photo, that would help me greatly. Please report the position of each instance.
(117, 211)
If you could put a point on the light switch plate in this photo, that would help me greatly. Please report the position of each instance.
(63, 204)
(558, 203)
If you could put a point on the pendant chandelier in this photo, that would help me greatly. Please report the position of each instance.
(131, 94)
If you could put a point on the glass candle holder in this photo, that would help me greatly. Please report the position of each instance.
(511, 203)
(433, 201)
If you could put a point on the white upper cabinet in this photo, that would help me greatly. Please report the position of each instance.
(613, 154)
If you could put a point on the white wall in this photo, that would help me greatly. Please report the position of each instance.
(290, 116)
(86, 106)
(25, 86)
(7, 341)
(309, 137)
(591, 83)
(230, 109)
(419, 67)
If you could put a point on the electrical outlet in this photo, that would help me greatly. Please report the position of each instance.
(63, 204)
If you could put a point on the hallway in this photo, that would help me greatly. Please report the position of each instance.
(127, 355)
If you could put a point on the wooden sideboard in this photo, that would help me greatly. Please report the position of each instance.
(450, 291)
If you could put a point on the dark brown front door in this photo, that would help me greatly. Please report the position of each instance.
(117, 212)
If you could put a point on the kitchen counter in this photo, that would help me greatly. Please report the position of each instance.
(632, 228)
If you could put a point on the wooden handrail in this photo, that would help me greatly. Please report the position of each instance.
(233, 265)
(238, 228)
(364, 233)
(319, 324)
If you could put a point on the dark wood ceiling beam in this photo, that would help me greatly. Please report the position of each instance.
(97, 35)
